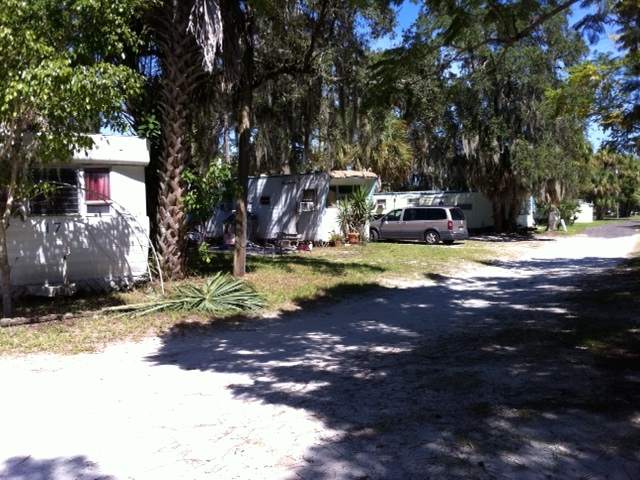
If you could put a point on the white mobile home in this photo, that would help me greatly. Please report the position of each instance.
(303, 204)
(585, 212)
(92, 233)
(478, 209)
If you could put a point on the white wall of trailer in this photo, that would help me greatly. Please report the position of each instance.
(100, 251)
(278, 203)
(342, 183)
(303, 204)
(585, 214)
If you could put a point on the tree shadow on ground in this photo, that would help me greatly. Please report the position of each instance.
(223, 262)
(29, 468)
(479, 377)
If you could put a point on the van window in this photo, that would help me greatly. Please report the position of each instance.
(457, 214)
(393, 216)
(436, 214)
(410, 214)
(422, 214)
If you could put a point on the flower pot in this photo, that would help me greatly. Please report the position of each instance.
(352, 237)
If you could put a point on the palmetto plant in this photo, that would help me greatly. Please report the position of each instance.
(218, 295)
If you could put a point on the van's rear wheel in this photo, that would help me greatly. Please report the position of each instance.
(374, 236)
(431, 237)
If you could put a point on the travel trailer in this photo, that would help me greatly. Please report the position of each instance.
(478, 209)
(92, 233)
(302, 205)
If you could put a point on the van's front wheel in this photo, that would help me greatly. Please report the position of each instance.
(431, 237)
(374, 236)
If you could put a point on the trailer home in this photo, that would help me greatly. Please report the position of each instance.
(304, 205)
(92, 233)
(478, 209)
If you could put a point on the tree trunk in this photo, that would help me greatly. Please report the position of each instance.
(240, 227)
(498, 223)
(514, 212)
(179, 55)
(552, 218)
(244, 162)
(5, 266)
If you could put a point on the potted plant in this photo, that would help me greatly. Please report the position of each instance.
(354, 212)
(335, 239)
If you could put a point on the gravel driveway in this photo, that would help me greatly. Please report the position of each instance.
(453, 378)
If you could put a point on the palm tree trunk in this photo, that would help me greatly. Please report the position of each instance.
(179, 58)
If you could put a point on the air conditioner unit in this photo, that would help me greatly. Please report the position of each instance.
(307, 206)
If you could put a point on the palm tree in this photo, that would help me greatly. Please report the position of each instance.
(605, 181)
(188, 35)
(197, 36)
(178, 54)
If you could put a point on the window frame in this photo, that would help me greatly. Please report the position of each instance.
(102, 203)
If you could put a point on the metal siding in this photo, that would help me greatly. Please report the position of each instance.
(98, 248)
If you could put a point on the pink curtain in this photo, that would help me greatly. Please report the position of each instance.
(96, 184)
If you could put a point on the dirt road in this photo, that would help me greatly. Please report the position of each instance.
(464, 377)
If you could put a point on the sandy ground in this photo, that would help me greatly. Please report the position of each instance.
(416, 381)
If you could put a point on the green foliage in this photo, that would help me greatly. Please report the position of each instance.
(565, 210)
(149, 127)
(490, 124)
(218, 295)
(615, 182)
(59, 80)
(206, 188)
(335, 237)
(355, 210)
(57, 72)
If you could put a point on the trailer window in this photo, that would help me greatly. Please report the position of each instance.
(59, 193)
(338, 192)
(344, 191)
(309, 195)
(97, 190)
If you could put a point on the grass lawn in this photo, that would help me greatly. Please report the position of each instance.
(287, 282)
(296, 280)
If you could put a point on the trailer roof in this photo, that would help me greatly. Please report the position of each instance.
(352, 174)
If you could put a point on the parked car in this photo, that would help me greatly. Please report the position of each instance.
(430, 224)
